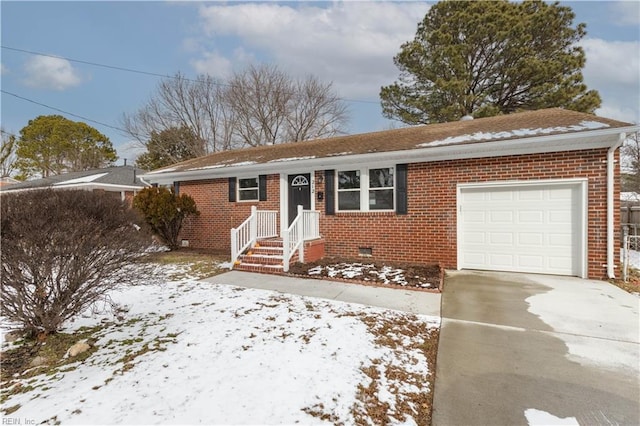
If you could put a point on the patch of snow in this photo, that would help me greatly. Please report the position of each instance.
(598, 324)
(485, 136)
(172, 169)
(538, 417)
(629, 196)
(215, 166)
(219, 166)
(634, 258)
(226, 265)
(366, 272)
(310, 157)
(201, 353)
(338, 154)
(84, 179)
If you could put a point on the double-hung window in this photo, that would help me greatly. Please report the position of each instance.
(248, 189)
(366, 189)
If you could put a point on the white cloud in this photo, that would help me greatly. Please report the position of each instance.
(626, 12)
(217, 65)
(612, 110)
(613, 60)
(3, 70)
(349, 43)
(46, 72)
(613, 68)
(214, 64)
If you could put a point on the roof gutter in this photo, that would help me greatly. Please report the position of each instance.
(611, 164)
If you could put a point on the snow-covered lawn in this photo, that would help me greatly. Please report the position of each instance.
(187, 352)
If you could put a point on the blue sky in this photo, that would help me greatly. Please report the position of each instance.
(350, 44)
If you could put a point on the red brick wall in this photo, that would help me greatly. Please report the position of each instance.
(428, 233)
(212, 229)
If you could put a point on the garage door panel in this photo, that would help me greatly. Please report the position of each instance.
(501, 217)
(504, 238)
(532, 195)
(475, 216)
(530, 216)
(560, 240)
(530, 238)
(501, 260)
(560, 217)
(522, 228)
(500, 196)
(531, 262)
(474, 238)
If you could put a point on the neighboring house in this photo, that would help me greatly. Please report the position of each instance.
(122, 181)
(527, 192)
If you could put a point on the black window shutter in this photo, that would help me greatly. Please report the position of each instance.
(232, 189)
(401, 189)
(329, 192)
(262, 187)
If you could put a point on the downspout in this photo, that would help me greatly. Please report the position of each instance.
(610, 203)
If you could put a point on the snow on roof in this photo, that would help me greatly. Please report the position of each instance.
(486, 136)
(308, 157)
(83, 179)
(217, 166)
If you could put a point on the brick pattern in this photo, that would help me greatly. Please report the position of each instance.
(212, 229)
(427, 234)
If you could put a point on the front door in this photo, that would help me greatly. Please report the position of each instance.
(299, 194)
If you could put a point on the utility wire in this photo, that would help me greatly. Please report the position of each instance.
(65, 112)
(153, 74)
(95, 64)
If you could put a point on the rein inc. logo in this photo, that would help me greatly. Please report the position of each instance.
(17, 421)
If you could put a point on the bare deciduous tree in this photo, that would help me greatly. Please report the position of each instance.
(7, 153)
(631, 164)
(259, 98)
(315, 111)
(180, 102)
(62, 251)
(260, 105)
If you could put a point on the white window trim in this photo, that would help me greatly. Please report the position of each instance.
(364, 189)
(239, 190)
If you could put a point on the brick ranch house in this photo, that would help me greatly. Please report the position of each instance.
(527, 192)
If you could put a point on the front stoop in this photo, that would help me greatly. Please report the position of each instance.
(265, 257)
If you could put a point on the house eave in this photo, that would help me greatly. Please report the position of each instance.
(110, 187)
(593, 139)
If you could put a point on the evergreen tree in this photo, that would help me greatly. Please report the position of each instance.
(484, 58)
(52, 144)
(170, 146)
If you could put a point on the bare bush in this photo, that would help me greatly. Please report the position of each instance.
(62, 251)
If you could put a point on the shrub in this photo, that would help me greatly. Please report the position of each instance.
(164, 211)
(62, 251)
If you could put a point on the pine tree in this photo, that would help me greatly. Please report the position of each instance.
(484, 58)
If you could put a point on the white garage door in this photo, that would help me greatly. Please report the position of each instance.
(522, 228)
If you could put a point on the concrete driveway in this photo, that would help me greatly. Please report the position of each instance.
(534, 349)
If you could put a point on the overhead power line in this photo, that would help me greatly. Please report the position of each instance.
(148, 73)
(65, 112)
